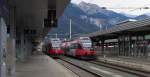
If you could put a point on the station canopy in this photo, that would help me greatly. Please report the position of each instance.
(30, 14)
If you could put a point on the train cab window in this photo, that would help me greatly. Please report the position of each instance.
(79, 46)
(73, 46)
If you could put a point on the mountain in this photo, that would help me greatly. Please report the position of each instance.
(86, 18)
(93, 9)
(103, 16)
(148, 14)
(141, 17)
(128, 15)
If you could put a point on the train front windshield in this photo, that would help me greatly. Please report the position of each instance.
(86, 43)
(56, 43)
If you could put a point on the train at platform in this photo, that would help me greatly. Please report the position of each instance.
(79, 48)
(52, 48)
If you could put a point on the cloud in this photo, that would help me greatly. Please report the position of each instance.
(125, 6)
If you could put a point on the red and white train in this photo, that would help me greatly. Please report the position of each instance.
(52, 48)
(79, 48)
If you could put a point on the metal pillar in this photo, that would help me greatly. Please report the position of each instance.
(11, 48)
(106, 49)
(144, 46)
(130, 44)
(137, 46)
(119, 46)
(124, 51)
(122, 45)
(102, 45)
(2, 46)
(1, 51)
(22, 38)
(125, 46)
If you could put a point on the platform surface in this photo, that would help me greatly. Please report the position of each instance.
(42, 66)
(137, 63)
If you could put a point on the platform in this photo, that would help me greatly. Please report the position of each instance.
(135, 63)
(42, 66)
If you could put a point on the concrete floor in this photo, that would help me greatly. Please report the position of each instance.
(42, 66)
(135, 63)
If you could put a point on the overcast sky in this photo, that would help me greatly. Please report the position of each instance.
(125, 6)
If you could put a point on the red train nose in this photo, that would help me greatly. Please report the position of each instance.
(59, 51)
(86, 53)
(89, 53)
(52, 51)
(93, 52)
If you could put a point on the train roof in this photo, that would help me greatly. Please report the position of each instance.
(55, 39)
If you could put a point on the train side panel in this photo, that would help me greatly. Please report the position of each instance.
(76, 50)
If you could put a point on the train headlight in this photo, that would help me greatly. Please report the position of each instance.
(91, 49)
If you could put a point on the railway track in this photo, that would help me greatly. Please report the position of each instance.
(78, 70)
(122, 68)
(133, 72)
(70, 70)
